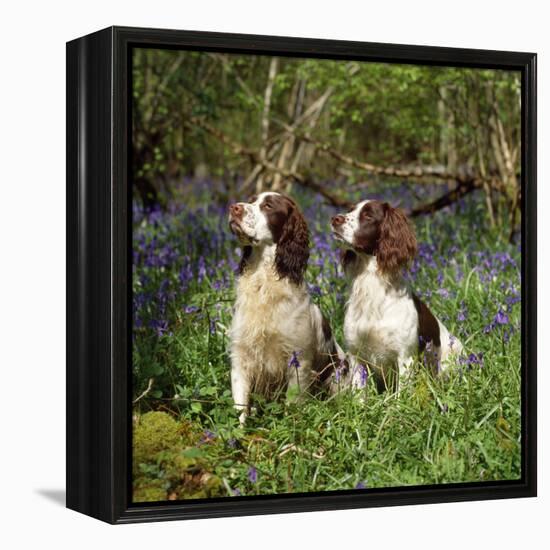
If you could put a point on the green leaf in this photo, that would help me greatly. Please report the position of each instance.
(192, 452)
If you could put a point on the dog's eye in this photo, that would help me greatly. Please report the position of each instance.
(267, 206)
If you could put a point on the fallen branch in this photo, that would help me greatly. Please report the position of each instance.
(463, 188)
(292, 447)
(447, 199)
(147, 390)
(417, 172)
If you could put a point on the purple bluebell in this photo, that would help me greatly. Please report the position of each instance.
(202, 269)
(363, 375)
(160, 326)
(473, 359)
(207, 436)
(314, 290)
(443, 292)
(294, 362)
(501, 318)
(252, 474)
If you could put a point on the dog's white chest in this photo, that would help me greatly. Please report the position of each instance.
(271, 321)
(380, 322)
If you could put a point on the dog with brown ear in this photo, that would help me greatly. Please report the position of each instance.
(386, 326)
(279, 338)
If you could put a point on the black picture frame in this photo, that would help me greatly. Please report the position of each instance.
(98, 268)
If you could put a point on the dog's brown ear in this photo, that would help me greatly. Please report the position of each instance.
(292, 251)
(247, 251)
(396, 246)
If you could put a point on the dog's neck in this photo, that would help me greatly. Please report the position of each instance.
(262, 258)
(366, 277)
(261, 284)
(361, 265)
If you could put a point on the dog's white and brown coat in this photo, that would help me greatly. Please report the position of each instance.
(274, 317)
(386, 326)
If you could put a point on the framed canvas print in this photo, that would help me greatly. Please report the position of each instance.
(301, 274)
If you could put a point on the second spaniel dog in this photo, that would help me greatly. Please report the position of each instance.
(386, 326)
(279, 338)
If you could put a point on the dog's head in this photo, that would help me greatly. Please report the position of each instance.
(271, 218)
(377, 229)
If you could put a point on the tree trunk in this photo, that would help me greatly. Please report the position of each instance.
(273, 67)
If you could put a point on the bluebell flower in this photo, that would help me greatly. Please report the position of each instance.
(443, 292)
(202, 269)
(472, 360)
(252, 474)
(216, 285)
(207, 436)
(363, 375)
(501, 318)
(339, 370)
(462, 312)
(314, 290)
(186, 274)
(293, 361)
(160, 326)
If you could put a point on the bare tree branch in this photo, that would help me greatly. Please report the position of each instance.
(147, 390)
(418, 172)
(463, 189)
(255, 157)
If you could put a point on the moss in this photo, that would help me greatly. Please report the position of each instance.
(200, 484)
(176, 465)
(154, 432)
(149, 490)
(189, 433)
(190, 476)
(167, 465)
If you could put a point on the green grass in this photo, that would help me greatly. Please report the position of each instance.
(463, 428)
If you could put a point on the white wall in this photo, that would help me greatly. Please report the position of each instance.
(32, 285)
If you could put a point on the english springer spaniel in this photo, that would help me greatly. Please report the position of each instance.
(386, 326)
(279, 338)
